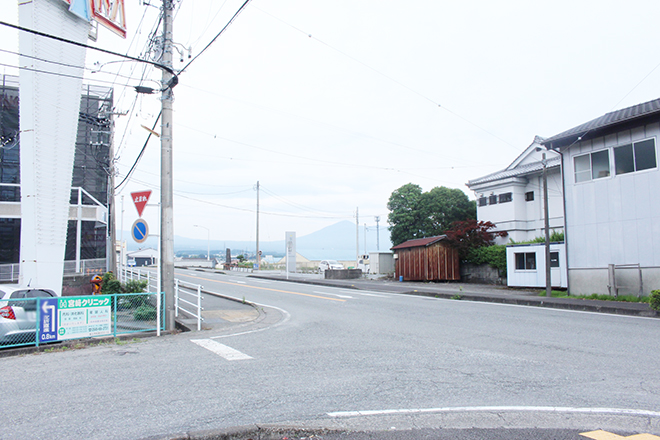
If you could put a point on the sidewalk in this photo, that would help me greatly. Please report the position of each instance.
(471, 292)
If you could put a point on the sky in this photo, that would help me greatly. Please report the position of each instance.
(332, 105)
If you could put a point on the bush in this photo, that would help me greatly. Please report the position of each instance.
(134, 286)
(145, 313)
(494, 255)
(654, 300)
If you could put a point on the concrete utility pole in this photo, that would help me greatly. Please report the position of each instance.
(258, 254)
(166, 159)
(357, 237)
(548, 279)
(377, 233)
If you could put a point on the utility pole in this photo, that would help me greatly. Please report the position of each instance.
(166, 159)
(357, 237)
(258, 254)
(377, 233)
(365, 239)
(548, 279)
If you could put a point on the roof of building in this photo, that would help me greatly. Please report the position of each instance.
(595, 127)
(419, 242)
(521, 170)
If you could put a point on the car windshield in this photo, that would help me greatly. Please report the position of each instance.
(332, 262)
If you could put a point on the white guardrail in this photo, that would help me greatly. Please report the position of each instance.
(187, 296)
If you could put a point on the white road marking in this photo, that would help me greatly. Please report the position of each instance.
(334, 294)
(240, 282)
(221, 350)
(367, 293)
(619, 411)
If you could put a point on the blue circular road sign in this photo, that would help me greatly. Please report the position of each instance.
(140, 230)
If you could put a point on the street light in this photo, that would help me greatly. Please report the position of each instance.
(208, 241)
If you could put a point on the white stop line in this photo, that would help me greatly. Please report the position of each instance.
(221, 350)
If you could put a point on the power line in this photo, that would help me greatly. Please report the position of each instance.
(173, 82)
(141, 153)
(391, 79)
(217, 36)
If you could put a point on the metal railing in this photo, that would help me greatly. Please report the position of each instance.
(87, 267)
(187, 296)
(188, 299)
(35, 321)
(11, 272)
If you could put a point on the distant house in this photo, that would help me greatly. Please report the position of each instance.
(143, 257)
(612, 200)
(512, 198)
(426, 259)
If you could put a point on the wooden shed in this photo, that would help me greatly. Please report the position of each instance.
(427, 259)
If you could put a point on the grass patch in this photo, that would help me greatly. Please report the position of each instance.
(620, 298)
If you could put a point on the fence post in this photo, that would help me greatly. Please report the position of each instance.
(176, 298)
(199, 307)
(116, 299)
(36, 332)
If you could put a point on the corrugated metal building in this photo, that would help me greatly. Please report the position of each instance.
(427, 259)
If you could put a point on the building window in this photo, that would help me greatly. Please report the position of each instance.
(526, 261)
(554, 259)
(492, 200)
(529, 196)
(483, 201)
(506, 197)
(633, 157)
(592, 166)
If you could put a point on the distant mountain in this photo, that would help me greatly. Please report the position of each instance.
(335, 242)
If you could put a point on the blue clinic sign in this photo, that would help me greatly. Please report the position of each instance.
(75, 317)
(48, 321)
(140, 230)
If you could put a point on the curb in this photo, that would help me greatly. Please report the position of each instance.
(249, 432)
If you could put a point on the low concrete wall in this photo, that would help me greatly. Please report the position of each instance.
(344, 274)
(481, 274)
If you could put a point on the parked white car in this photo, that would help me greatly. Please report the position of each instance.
(18, 319)
(329, 264)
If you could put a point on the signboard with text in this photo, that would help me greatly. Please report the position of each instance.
(140, 200)
(79, 317)
(108, 13)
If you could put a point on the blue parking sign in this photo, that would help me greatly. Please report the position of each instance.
(48, 320)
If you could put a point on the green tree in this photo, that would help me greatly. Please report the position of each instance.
(443, 206)
(416, 214)
(404, 216)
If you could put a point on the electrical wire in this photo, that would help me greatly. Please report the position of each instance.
(307, 34)
(137, 160)
(172, 83)
(231, 20)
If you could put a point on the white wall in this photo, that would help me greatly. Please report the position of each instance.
(524, 220)
(536, 277)
(612, 220)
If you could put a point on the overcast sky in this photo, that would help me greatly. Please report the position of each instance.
(332, 105)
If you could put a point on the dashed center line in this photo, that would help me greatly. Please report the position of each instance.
(333, 294)
(221, 350)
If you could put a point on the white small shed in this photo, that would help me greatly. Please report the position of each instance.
(525, 265)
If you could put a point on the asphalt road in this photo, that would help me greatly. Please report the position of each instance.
(321, 357)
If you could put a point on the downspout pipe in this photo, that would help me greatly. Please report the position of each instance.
(563, 198)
